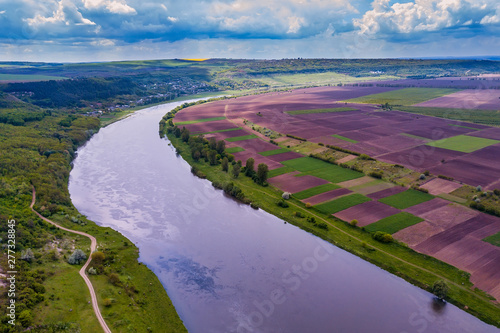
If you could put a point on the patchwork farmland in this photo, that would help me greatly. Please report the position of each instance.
(281, 129)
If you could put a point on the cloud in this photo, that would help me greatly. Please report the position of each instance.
(112, 6)
(424, 16)
(66, 13)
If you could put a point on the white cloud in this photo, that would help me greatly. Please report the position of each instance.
(102, 42)
(423, 15)
(113, 6)
(66, 13)
(173, 19)
(294, 24)
(2, 12)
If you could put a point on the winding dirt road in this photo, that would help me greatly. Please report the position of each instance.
(93, 246)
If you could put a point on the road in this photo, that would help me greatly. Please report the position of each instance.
(93, 246)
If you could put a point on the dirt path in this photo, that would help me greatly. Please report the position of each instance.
(93, 246)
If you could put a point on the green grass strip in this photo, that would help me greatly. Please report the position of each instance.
(233, 150)
(274, 152)
(223, 130)
(493, 239)
(463, 143)
(394, 223)
(335, 206)
(241, 138)
(305, 164)
(199, 121)
(335, 173)
(365, 185)
(407, 199)
(344, 138)
(280, 171)
(314, 191)
(406, 96)
(488, 117)
(416, 137)
(471, 128)
(320, 111)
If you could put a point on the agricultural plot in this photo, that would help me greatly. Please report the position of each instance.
(280, 171)
(438, 186)
(485, 99)
(339, 109)
(315, 190)
(335, 174)
(305, 164)
(334, 206)
(326, 196)
(493, 239)
(463, 143)
(394, 223)
(367, 213)
(289, 182)
(406, 199)
(344, 138)
(233, 150)
(241, 138)
(274, 152)
(406, 96)
(189, 122)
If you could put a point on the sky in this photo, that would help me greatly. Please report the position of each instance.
(105, 30)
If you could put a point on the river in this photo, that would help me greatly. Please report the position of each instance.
(228, 267)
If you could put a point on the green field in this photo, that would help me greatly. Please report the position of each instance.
(29, 77)
(486, 117)
(407, 199)
(416, 137)
(198, 121)
(493, 239)
(280, 171)
(223, 130)
(314, 191)
(461, 126)
(274, 152)
(306, 164)
(394, 223)
(335, 174)
(365, 185)
(233, 150)
(463, 143)
(320, 111)
(334, 206)
(344, 138)
(406, 96)
(241, 138)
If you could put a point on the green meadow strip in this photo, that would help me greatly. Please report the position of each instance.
(320, 111)
(233, 150)
(461, 126)
(314, 191)
(463, 143)
(406, 199)
(394, 223)
(416, 137)
(344, 138)
(241, 138)
(280, 171)
(223, 130)
(189, 122)
(335, 206)
(274, 152)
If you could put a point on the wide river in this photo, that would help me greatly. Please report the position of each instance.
(228, 267)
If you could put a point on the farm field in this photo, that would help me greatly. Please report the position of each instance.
(28, 77)
(418, 142)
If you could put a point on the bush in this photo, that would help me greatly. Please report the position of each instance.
(365, 157)
(311, 219)
(308, 205)
(382, 237)
(114, 279)
(427, 173)
(27, 255)
(77, 257)
(322, 225)
(496, 191)
(286, 195)
(107, 302)
(92, 271)
(422, 177)
(479, 188)
(445, 177)
(282, 203)
(376, 174)
(298, 214)
(354, 223)
(440, 289)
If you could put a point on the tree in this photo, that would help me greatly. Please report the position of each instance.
(236, 170)
(27, 255)
(77, 257)
(262, 172)
(221, 146)
(225, 164)
(212, 143)
(440, 289)
(196, 155)
(98, 257)
(249, 167)
(185, 134)
(212, 157)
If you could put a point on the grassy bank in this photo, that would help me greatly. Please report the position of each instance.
(416, 268)
(51, 296)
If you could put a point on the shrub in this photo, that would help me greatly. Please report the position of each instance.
(382, 237)
(254, 205)
(354, 223)
(114, 279)
(311, 219)
(298, 214)
(376, 174)
(92, 271)
(282, 203)
(27, 255)
(107, 302)
(77, 257)
(496, 191)
(445, 177)
(365, 157)
(427, 173)
(479, 188)
(286, 195)
(98, 257)
(322, 225)
(440, 289)
(422, 177)
(308, 205)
